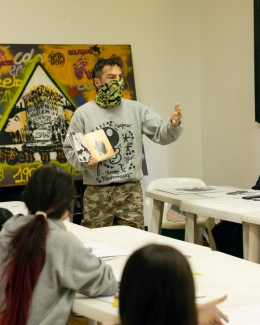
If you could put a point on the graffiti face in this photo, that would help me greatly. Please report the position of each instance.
(17, 122)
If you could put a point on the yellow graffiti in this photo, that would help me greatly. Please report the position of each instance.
(67, 75)
(10, 82)
(23, 175)
(71, 170)
(6, 97)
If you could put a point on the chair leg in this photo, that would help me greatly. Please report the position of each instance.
(210, 224)
(198, 236)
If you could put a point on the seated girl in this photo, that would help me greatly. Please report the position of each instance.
(41, 264)
(157, 288)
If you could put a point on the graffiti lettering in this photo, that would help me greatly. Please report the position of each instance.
(10, 82)
(26, 156)
(7, 96)
(2, 175)
(2, 155)
(60, 155)
(7, 62)
(13, 156)
(16, 69)
(23, 174)
(86, 87)
(76, 52)
(41, 134)
(45, 157)
(27, 57)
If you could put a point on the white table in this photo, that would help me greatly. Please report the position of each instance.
(15, 207)
(160, 197)
(127, 238)
(228, 209)
(238, 278)
(215, 274)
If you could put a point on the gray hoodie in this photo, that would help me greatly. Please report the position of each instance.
(69, 266)
(124, 125)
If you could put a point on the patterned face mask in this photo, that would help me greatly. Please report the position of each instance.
(110, 94)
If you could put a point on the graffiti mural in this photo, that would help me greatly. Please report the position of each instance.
(41, 86)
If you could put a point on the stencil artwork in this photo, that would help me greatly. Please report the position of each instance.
(100, 147)
(41, 86)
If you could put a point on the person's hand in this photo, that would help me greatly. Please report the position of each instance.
(209, 314)
(176, 115)
(93, 162)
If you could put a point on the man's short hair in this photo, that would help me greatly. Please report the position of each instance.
(101, 63)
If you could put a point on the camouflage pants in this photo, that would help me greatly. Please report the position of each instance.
(111, 205)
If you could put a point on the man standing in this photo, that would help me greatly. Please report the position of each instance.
(114, 195)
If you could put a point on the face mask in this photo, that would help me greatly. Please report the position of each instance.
(110, 94)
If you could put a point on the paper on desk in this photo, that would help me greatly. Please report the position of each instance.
(231, 194)
(104, 250)
(199, 294)
(195, 190)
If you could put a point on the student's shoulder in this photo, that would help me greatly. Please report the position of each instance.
(60, 235)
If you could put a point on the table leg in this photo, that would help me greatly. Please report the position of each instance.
(190, 227)
(245, 240)
(156, 219)
(254, 243)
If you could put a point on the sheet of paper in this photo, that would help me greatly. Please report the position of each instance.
(196, 190)
(199, 294)
(108, 299)
(104, 250)
(231, 194)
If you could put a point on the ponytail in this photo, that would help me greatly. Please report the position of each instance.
(25, 261)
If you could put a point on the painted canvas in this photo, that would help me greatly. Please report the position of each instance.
(41, 86)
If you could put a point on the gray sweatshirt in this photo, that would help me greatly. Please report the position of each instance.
(69, 266)
(124, 125)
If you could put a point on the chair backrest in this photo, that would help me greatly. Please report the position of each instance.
(175, 182)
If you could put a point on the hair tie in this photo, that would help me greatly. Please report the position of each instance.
(38, 213)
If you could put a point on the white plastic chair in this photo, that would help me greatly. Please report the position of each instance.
(180, 182)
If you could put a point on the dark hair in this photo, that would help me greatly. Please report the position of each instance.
(157, 288)
(101, 63)
(5, 214)
(50, 190)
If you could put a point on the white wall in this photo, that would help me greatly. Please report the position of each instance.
(230, 137)
(196, 52)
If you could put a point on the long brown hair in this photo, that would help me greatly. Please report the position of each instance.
(157, 288)
(50, 190)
